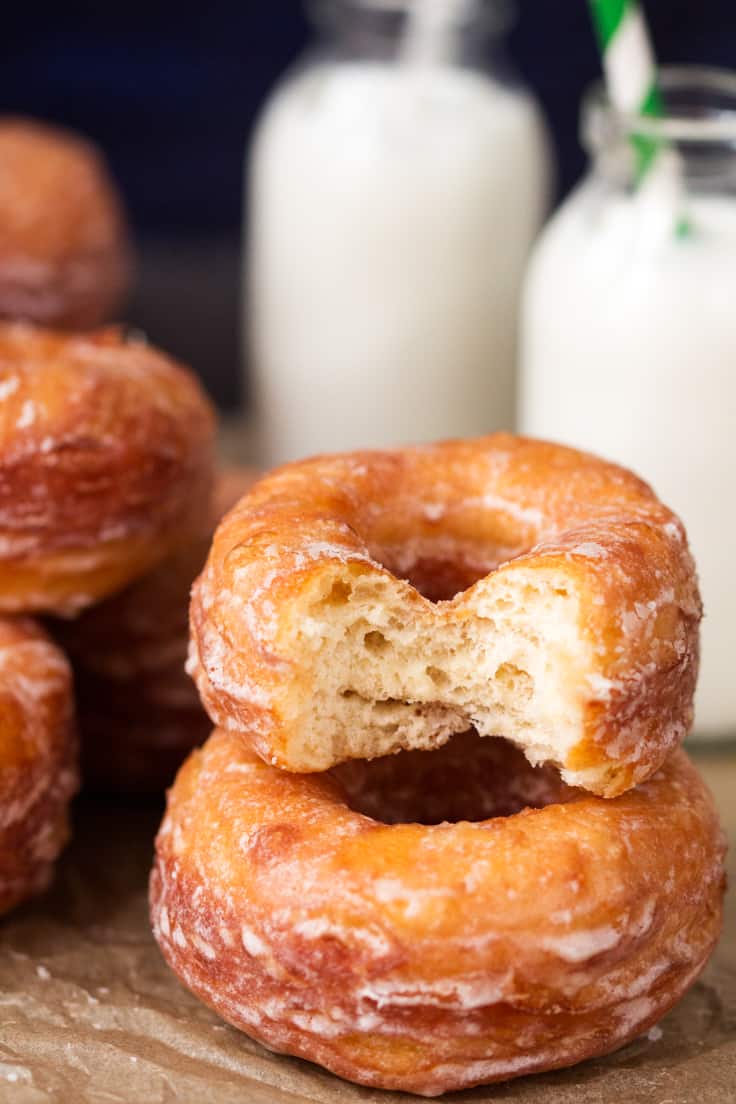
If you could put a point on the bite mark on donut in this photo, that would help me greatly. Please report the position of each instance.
(382, 680)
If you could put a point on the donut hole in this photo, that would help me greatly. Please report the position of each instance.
(470, 778)
(440, 580)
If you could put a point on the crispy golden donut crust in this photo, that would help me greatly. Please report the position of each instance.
(433, 958)
(65, 258)
(105, 465)
(38, 774)
(494, 510)
(139, 712)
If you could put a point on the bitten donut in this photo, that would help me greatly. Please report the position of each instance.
(139, 712)
(105, 465)
(354, 605)
(65, 259)
(435, 957)
(37, 758)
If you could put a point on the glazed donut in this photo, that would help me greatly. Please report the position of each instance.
(37, 758)
(354, 605)
(433, 958)
(105, 465)
(139, 712)
(64, 253)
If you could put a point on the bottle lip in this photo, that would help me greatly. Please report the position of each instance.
(491, 16)
(699, 108)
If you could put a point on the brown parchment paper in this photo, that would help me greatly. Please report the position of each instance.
(89, 1013)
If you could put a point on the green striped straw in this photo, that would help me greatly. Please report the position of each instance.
(629, 67)
(631, 78)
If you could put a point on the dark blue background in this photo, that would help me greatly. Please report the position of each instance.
(170, 91)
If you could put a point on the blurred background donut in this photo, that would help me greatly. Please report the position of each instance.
(65, 258)
(105, 464)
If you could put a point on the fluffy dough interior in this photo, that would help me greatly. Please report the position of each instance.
(389, 670)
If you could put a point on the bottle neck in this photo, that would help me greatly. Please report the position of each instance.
(697, 130)
(414, 31)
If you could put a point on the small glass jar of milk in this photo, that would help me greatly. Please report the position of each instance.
(397, 179)
(629, 332)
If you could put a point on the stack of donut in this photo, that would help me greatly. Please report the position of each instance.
(105, 472)
(536, 875)
(66, 261)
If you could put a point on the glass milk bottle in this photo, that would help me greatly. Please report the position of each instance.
(397, 180)
(629, 332)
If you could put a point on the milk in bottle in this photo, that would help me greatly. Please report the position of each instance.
(397, 181)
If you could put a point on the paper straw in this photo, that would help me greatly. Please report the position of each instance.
(630, 68)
